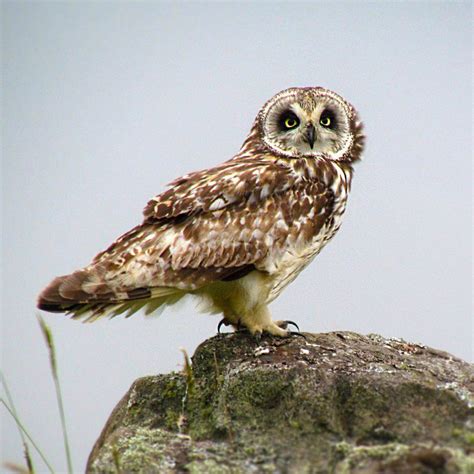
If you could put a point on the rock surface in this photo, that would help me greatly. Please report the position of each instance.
(331, 403)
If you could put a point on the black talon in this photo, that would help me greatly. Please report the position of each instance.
(292, 323)
(222, 322)
(300, 334)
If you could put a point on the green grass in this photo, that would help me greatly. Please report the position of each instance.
(26, 438)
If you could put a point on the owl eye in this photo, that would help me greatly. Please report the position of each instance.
(327, 119)
(289, 121)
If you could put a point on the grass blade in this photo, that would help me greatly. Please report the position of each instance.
(54, 369)
(26, 449)
(23, 429)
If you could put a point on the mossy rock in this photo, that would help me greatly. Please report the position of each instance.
(327, 403)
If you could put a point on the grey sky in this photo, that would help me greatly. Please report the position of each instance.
(105, 103)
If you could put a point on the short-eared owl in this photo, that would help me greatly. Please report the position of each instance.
(237, 234)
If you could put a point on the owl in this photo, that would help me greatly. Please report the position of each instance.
(234, 235)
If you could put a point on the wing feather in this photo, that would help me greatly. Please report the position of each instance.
(185, 242)
(219, 187)
(212, 225)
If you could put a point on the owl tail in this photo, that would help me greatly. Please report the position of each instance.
(84, 295)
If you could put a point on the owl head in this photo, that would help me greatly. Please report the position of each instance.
(310, 122)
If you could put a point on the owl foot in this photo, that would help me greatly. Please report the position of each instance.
(277, 328)
(272, 329)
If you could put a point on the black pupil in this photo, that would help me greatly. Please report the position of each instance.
(288, 120)
(328, 114)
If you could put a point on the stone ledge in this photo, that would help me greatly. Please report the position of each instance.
(337, 402)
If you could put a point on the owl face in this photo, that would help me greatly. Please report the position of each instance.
(305, 122)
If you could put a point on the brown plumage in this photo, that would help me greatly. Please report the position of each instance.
(234, 235)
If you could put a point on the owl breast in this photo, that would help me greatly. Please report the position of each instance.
(301, 249)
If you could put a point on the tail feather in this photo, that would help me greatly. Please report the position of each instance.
(85, 296)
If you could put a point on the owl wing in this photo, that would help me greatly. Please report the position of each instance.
(234, 216)
(211, 225)
(203, 219)
(217, 223)
(251, 233)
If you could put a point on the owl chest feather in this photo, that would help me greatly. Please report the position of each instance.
(301, 248)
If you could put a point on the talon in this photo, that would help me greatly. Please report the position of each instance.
(300, 334)
(292, 323)
(222, 322)
(258, 336)
(285, 324)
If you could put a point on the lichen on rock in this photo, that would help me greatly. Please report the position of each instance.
(336, 402)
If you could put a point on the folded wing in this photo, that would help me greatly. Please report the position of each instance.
(217, 224)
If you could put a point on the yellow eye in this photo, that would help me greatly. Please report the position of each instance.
(291, 122)
(325, 121)
(288, 120)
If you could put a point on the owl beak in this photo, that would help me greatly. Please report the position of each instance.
(311, 135)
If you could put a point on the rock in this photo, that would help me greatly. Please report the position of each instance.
(328, 403)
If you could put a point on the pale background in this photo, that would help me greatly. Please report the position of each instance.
(104, 103)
